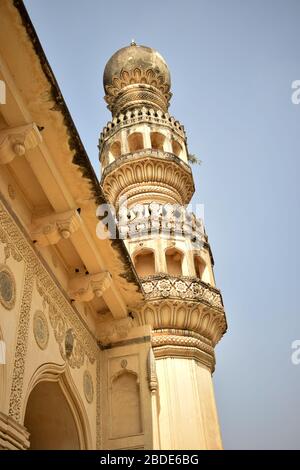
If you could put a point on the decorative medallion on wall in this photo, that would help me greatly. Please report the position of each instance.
(7, 287)
(40, 329)
(69, 342)
(88, 386)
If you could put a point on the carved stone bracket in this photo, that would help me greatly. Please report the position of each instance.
(51, 229)
(84, 288)
(16, 141)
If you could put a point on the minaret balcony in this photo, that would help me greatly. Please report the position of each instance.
(189, 288)
(138, 116)
(154, 174)
(177, 306)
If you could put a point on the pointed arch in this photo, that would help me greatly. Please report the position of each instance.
(157, 140)
(144, 262)
(135, 141)
(60, 375)
(174, 258)
(125, 404)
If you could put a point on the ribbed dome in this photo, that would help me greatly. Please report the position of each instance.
(140, 68)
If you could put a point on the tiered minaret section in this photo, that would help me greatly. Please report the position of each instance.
(147, 177)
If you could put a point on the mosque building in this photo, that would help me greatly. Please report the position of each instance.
(109, 313)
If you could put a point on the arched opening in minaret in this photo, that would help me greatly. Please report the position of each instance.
(144, 263)
(174, 259)
(135, 141)
(199, 266)
(176, 148)
(157, 140)
(115, 149)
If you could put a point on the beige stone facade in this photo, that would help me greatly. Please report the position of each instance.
(106, 343)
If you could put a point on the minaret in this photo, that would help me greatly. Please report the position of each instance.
(145, 168)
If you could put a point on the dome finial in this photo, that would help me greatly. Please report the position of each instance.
(136, 76)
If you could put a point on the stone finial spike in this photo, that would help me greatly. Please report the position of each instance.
(133, 43)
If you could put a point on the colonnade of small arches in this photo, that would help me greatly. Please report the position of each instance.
(141, 138)
(146, 264)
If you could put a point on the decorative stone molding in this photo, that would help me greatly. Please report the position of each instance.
(151, 371)
(114, 330)
(13, 436)
(9, 247)
(137, 87)
(15, 401)
(84, 288)
(70, 344)
(172, 350)
(150, 172)
(14, 142)
(185, 314)
(51, 229)
(183, 287)
(138, 116)
(183, 343)
(64, 315)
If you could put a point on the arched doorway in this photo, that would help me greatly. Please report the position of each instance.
(49, 419)
(54, 415)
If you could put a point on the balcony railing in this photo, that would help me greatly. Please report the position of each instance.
(165, 286)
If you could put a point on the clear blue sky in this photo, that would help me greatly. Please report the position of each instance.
(232, 64)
